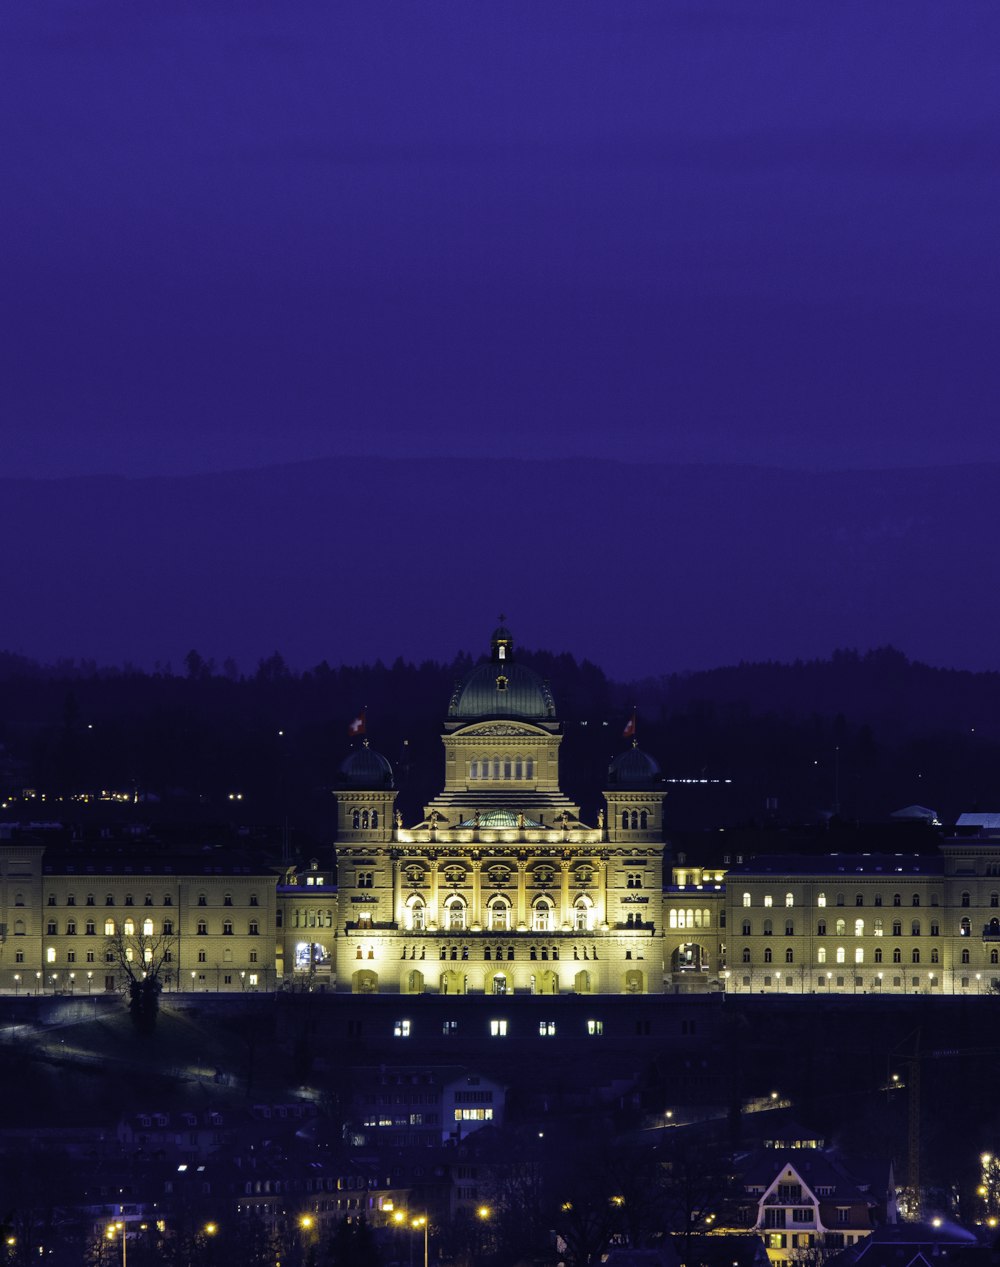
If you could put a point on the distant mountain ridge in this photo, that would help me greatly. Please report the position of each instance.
(642, 568)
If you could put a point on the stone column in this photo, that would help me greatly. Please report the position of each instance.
(397, 892)
(603, 916)
(477, 914)
(522, 867)
(566, 915)
(433, 912)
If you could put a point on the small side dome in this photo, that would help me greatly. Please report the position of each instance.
(634, 768)
(365, 768)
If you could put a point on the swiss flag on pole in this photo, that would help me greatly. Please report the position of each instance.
(357, 726)
(630, 727)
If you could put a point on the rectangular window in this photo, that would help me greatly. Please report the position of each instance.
(449, 1027)
(546, 1029)
(202, 956)
(595, 1027)
(401, 1029)
(498, 1029)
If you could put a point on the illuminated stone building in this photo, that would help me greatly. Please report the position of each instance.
(867, 923)
(500, 887)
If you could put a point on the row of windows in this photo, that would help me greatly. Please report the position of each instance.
(877, 927)
(129, 900)
(362, 820)
(503, 768)
(859, 899)
(499, 914)
(690, 918)
(859, 955)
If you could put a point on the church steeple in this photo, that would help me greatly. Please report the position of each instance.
(501, 644)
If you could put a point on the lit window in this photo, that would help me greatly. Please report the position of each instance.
(546, 1029)
(768, 900)
(746, 899)
(821, 900)
(147, 928)
(129, 928)
(50, 955)
(109, 928)
(789, 899)
(401, 1029)
(595, 1027)
(498, 1029)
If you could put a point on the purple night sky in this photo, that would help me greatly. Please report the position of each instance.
(747, 234)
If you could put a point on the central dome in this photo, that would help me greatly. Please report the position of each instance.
(499, 687)
(507, 690)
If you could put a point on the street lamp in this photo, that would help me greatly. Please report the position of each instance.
(17, 983)
(423, 1222)
(113, 1228)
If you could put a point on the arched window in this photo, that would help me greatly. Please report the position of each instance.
(625, 820)
(897, 955)
(966, 899)
(821, 899)
(841, 927)
(915, 928)
(147, 928)
(965, 954)
(897, 900)
(635, 820)
(789, 955)
(364, 820)
(840, 954)
(499, 914)
(529, 768)
(454, 910)
(227, 928)
(746, 928)
(897, 928)
(840, 899)
(877, 926)
(789, 928)
(859, 955)
(128, 928)
(109, 928)
(417, 911)
(859, 928)
(767, 954)
(767, 928)
(746, 899)
(878, 954)
(789, 899)
(374, 819)
(916, 899)
(746, 954)
(859, 899)
(821, 955)
(995, 899)
(581, 914)
(109, 899)
(356, 820)
(995, 956)
(821, 928)
(542, 913)
(643, 819)
(768, 900)
(915, 957)
(935, 955)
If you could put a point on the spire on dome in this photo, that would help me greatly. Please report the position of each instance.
(501, 643)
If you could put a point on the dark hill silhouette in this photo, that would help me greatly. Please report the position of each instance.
(639, 568)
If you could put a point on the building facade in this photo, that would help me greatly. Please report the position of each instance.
(500, 887)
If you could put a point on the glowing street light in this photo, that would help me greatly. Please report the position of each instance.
(113, 1230)
(422, 1221)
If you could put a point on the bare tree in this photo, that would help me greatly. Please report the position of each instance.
(142, 961)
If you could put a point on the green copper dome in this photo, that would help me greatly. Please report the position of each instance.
(501, 818)
(365, 768)
(502, 690)
(633, 768)
(500, 687)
